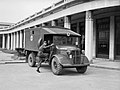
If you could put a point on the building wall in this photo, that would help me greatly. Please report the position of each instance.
(107, 29)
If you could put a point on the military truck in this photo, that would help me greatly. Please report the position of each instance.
(65, 52)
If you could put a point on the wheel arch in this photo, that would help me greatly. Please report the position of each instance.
(58, 58)
(84, 59)
(27, 52)
(61, 58)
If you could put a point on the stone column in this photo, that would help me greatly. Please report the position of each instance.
(11, 41)
(112, 38)
(24, 39)
(3, 41)
(67, 22)
(14, 41)
(53, 23)
(17, 39)
(43, 24)
(94, 39)
(89, 35)
(8, 41)
(21, 39)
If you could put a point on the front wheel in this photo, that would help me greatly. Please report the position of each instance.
(81, 69)
(31, 60)
(56, 66)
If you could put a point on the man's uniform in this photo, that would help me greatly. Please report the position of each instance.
(41, 55)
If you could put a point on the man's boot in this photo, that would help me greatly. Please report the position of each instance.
(38, 70)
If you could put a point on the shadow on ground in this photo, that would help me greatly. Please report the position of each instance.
(65, 72)
(8, 51)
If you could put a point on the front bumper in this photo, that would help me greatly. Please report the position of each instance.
(74, 65)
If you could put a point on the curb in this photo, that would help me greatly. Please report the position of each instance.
(111, 68)
(2, 62)
(12, 62)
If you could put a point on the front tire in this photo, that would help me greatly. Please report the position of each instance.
(81, 69)
(56, 66)
(31, 60)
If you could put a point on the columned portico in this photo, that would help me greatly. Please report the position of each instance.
(100, 37)
(3, 41)
(89, 35)
(67, 22)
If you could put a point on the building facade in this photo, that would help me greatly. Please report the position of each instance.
(98, 22)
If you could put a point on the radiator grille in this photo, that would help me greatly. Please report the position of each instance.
(76, 57)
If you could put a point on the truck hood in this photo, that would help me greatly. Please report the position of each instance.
(67, 47)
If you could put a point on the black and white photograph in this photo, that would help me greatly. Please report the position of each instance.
(59, 45)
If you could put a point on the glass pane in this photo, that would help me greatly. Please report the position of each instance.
(64, 40)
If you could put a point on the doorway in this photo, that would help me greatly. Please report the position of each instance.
(117, 37)
(102, 37)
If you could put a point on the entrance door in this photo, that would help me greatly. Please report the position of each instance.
(102, 27)
(117, 37)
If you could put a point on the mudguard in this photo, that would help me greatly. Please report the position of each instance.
(84, 59)
(62, 59)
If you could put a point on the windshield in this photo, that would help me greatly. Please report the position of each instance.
(65, 40)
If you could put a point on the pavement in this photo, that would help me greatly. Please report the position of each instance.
(7, 58)
(106, 64)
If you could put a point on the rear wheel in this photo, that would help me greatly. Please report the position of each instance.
(81, 69)
(31, 60)
(56, 66)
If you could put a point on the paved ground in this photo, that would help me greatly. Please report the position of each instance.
(19, 76)
(106, 64)
(10, 58)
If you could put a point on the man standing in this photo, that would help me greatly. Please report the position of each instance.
(42, 55)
